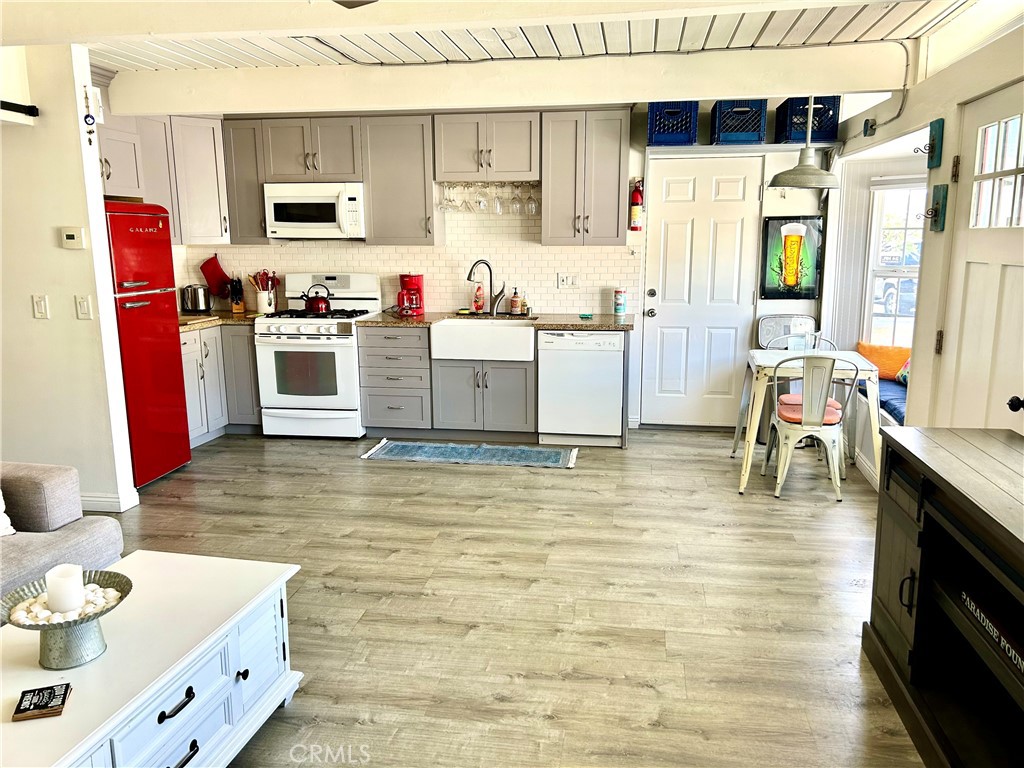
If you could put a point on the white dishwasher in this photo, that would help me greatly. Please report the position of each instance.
(580, 387)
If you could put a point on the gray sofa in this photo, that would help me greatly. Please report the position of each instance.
(45, 508)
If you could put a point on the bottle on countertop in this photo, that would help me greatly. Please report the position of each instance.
(524, 307)
(478, 298)
(515, 304)
(619, 307)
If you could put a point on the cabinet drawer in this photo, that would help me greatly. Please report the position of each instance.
(396, 408)
(394, 337)
(403, 378)
(399, 357)
(173, 708)
(189, 341)
(204, 735)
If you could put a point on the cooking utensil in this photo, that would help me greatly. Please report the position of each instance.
(195, 300)
(316, 303)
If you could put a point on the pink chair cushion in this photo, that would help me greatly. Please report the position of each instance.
(794, 414)
(798, 400)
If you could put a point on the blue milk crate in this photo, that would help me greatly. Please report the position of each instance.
(672, 123)
(791, 120)
(742, 121)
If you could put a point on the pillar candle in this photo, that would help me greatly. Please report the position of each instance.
(65, 589)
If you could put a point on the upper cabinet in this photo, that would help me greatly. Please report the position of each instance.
(121, 162)
(398, 161)
(487, 147)
(158, 168)
(243, 156)
(201, 182)
(317, 149)
(585, 168)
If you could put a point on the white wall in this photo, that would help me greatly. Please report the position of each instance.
(993, 67)
(63, 400)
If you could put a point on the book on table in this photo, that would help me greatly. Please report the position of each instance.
(42, 702)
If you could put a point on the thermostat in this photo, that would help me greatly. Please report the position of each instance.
(72, 238)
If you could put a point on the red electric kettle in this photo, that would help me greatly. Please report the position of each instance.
(316, 303)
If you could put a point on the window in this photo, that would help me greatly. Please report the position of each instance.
(999, 176)
(897, 229)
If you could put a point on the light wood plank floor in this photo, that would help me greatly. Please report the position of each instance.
(635, 611)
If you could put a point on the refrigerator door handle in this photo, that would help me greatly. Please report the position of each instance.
(133, 283)
(135, 304)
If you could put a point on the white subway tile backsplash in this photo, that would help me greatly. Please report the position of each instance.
(510, 243)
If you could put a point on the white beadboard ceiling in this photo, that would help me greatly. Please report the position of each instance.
(867, 22)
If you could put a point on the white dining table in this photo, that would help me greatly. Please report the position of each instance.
(760, 370)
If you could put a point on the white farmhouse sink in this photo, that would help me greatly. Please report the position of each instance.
(474, 339)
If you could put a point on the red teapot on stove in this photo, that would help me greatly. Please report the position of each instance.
(315, 303)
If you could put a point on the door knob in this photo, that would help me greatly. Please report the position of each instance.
(1015, 403)
(652, 313)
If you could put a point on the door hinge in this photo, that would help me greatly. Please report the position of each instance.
(954, 175)
(939, 338)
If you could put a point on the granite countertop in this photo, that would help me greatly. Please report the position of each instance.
(212, 320)
(543, 322)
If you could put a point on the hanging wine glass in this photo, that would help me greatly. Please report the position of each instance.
(447, 204)
(498, 205)
(515, 205)
(466, 207)
(532, 206)
(481, 202)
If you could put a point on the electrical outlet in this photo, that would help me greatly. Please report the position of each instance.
(40, 306)
(566, 280)
(83, 307)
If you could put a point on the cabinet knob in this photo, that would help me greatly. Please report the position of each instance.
(242, 674)
(1015, 403)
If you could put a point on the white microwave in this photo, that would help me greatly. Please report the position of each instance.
(315, 210)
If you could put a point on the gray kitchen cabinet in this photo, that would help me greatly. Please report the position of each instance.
(584, 162)
(195, 402)
(489, 395)
(158, 168)
(288, 149)
(398, 167)
(243, 157)
(240, 380)
(335, 144)
(312, 149)
(200, 180)
(458, 394)
(121, 162)
(393, 407)
(510, 396)
(487, 147)
(394, 377)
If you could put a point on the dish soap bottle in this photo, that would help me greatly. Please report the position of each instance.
(524, 307)
(515, 304)
(478, 298)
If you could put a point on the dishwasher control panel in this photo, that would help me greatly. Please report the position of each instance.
(599, 341)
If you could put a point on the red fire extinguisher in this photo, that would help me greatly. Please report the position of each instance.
(636, 206)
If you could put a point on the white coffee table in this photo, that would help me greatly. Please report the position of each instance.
(203, 640)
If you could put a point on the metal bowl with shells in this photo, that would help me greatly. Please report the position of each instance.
(69, 643)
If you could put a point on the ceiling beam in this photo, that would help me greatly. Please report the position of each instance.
(511, 84)
(40, 22)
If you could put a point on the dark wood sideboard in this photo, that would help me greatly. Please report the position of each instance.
(946, 634)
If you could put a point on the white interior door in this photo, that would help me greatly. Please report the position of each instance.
(702, 244)
(982, 364)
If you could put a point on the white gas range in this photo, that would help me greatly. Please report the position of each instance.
(307, 362)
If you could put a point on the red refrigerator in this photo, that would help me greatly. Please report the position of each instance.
(147, 323)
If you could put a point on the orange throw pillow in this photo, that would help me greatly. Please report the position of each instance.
(888, 359)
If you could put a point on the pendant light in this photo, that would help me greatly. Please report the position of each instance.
(806, 174)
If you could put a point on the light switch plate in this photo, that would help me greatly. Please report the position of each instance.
(83, 307)
(566, 280)
(72, 238)
(40, 306)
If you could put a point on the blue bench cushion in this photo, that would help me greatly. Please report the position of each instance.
(892, 397)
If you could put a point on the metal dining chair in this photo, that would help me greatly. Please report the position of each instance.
(814, 417)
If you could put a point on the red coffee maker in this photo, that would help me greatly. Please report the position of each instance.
(410, 298)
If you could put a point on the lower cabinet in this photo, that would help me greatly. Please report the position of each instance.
(205, 396)
(394, 377)
(240, 379)
(488, 395)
